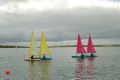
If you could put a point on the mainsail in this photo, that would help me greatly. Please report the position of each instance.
(43, 46)
(80, 48)
(90, 47)
(33, 50)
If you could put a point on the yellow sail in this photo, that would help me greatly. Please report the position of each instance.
(43, 46)
(33, 47)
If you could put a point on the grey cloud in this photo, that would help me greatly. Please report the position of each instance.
(6, 1)
(115, 0)
(60, 25)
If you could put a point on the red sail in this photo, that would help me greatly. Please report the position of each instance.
(80, 48)
(90, 47)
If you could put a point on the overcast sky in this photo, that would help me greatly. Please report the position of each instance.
(59, 19)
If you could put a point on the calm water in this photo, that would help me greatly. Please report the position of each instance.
(104, 67)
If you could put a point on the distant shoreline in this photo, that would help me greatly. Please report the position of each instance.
(100, 45)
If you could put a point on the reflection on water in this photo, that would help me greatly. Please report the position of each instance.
(104, 67)
(90, 68)
(38, 70)
(80, 69)
(85, 69)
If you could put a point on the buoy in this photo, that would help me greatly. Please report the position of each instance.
(7, 71)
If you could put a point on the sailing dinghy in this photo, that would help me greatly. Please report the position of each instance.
(42, 54)
(33, 50)
(80, 51)
(45, 53)
(90, 48)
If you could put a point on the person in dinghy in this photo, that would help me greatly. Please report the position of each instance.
(44, 57)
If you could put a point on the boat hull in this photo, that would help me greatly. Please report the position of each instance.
(85, 56)
(92, 56)
(38, 59)
(46, 59)
(31, 59)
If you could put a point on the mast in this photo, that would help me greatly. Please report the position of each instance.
(80, 48)
(90, 47)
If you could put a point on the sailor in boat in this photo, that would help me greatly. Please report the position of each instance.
(92, 54)
(82, 55)
(32, 57)
(44, 57)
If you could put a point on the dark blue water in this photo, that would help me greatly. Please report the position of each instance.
(104, 67)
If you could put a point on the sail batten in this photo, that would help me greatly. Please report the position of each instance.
(80, 47)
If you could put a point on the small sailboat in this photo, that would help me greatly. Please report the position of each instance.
(80, 51)
(33, 50)
(44, 53)
(90, 47)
